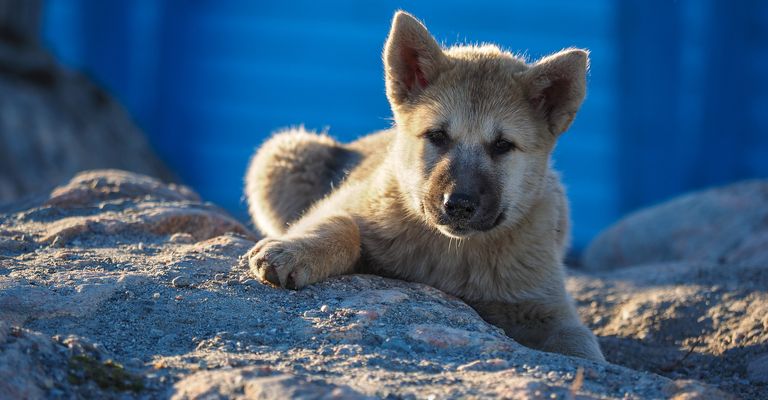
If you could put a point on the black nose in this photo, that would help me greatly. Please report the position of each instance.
(460, 206)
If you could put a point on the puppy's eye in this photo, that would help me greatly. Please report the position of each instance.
(501, 146)
(438, 137)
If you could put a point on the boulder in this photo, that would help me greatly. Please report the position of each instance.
(681, 289)
(723, 225)
(683, 320)
(55, 122)
(115, 285)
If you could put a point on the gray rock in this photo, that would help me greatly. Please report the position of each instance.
(181, 281)
(722, 225)
(55, 123)
(183, 238)
(258, 383)
(682, 320)
(349, 337)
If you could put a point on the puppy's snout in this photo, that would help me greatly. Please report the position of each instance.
(459, 205)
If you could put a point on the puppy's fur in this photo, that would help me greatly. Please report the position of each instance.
(458, 195)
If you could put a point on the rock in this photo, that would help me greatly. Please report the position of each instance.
(55, 122)
(757, 370)
(251, 383)
(14, 342)
(182, 238)
(100, 186)
(682, 320)
(689, 295)
(722, 225)
(69, 368)
(489, 365)
(111, 282)
(690, 390)
(181, 281)
(445, 338)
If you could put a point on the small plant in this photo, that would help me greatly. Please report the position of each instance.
(108, 374)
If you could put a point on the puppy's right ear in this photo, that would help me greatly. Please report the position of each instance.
(412, 59)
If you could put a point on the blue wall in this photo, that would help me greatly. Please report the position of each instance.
(676, 101)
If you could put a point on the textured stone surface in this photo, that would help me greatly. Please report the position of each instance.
(718, 226)
(259, 383)
(685, 320)
(683, 290)
(101, 312)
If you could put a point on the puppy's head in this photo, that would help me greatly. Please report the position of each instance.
(476, 126)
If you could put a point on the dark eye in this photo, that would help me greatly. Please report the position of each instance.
(437, 137)
(501, 146)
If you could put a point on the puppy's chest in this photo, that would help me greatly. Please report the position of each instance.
(464, 269)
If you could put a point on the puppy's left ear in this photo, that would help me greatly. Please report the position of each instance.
(556, 85)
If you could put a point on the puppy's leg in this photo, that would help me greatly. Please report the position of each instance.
(310, 252)
(291, 172)
(550, 325)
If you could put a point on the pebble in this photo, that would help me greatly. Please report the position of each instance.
(250, 282)
(367, 315)
(396, 344)
(325, 351)
(552, 376)
(494, 364)
(348, 350)
(181, 281)
(182, 238)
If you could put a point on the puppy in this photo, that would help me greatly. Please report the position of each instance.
(459, 194)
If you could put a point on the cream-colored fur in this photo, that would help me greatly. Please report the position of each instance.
(470, 121)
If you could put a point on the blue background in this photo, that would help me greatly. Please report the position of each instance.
(677, 98)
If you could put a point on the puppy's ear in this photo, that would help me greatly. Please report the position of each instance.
(556, 86)
(412, 59)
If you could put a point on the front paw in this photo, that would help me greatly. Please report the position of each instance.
(577, 341)
(281, 263)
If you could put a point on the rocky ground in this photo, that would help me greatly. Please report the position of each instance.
(681, 289)
(118, 286)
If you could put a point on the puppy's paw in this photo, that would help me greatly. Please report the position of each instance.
(280, 262)
(574, 340)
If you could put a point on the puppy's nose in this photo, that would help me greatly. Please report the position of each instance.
(459, 205)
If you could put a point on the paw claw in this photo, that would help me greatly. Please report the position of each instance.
(291, 282)
(270, 275)
(277, 263)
